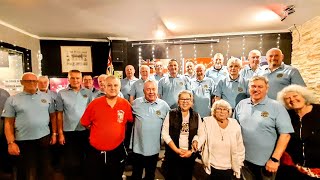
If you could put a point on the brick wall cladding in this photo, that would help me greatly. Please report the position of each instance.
(306, 53)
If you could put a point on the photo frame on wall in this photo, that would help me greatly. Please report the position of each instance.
(76, 57)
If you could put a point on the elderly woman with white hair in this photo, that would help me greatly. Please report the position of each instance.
(223, 149)
(302, 157)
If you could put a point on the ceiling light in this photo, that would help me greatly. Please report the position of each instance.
(171, 26)
(266, 15)
(160, 34)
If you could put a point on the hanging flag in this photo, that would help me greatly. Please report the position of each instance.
(109, 65)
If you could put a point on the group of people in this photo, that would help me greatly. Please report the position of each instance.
(237, 118)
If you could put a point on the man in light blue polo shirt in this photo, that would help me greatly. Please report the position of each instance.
(202, 88)
(27, 116)
(136, 90)
(265, 126)
(232, 88)
(71, 104)
(190, 70)
(127, 82)
(218, 71)
(254, 65)
(159, 71)
(149, 112)
(279, 74)
(169, 87)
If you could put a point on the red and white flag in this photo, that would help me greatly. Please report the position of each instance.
(109, 65)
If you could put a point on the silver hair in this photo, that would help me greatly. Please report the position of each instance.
(200, 65)
(254, 51)
(274, 49)
(43, 77)
(234, 60)
(218, 54)
(255, 78)
(150, 81)
(222, 103)
(303, 91)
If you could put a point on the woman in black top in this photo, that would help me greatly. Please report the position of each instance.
(302, 155)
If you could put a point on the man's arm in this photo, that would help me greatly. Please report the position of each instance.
(54, 129)
(60, 127)
(281, 146)
(13, 148)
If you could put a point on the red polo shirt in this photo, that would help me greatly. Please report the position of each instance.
(108, 124)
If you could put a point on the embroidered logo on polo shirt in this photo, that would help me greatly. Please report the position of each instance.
(280, 75)
(264, 114)
(85, 96)
(181, 83)
(43, 100)
(158, 112)
(240, 89)
(120, 116)
(206, 86)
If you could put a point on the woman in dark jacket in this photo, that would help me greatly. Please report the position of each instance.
(180, 129)
(302, 157)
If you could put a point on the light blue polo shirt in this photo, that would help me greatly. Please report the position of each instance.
(157, 77)
(283, 76)
(233, 91)
(137, 89)
(31, 113)
(126, 86)
(246, 72)
(260, 126)
(147, 126)
(190, 77)
(73, 105)
(217, 75)
(202, 93)
(169, 88)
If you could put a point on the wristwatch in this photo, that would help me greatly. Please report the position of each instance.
(274, 159)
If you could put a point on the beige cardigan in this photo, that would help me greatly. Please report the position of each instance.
(237, 148)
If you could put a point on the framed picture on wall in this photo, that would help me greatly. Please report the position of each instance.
(76, 57)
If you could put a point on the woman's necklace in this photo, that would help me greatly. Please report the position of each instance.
(221, 133)
(220, 128)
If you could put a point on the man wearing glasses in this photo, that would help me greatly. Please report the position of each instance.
(159, 71)
(27, 115)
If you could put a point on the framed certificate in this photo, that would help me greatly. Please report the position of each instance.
(76, 57)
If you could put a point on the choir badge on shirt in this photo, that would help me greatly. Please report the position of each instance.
(264, 114)
(280, 75)
(181, 83)
(120, 116)
(205, 86)
(240, 89)
(43, 100)
(158, 112)
(85, 96)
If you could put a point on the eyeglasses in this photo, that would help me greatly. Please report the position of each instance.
(185, 100)
(30, 81)
(222, 110)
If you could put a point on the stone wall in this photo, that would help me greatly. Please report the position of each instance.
(11, 36)
(306, 53)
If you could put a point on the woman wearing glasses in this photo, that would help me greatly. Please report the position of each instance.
(223, 150)
(180, 128)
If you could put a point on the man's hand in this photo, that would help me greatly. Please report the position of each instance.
(272, 166)
(186, 154)
(195, 145)
(53, 139)
(61, 139)
(13, 149)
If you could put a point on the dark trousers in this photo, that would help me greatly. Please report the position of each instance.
(74, 152)
(5, 159)
(140, 162)
(179, 168)
(101, 165)
(259, 172)
(33, 163)
(217, 174)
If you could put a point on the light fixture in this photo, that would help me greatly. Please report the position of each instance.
(287, 11)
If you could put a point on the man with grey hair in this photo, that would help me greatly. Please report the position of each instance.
(218, 71)
(232, 88)
(254, 64)
(266, 128)
(279, 74)
(136, 90)
(149, 112)
(128, 81)
(202, 88)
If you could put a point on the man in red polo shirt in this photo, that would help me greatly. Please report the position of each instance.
(106, 117)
